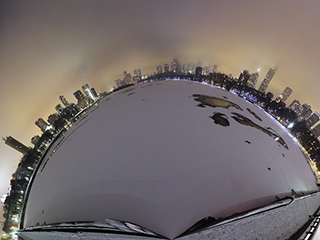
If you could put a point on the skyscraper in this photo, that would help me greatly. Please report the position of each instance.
(176, 66)
(64, 101)
(315, 117)
(253, 79)
(316, 131)
(81, 99)
(166, 68)
(59, 108)
(87, 90)
(264, 85)
(286, 93)
(198, 72)
(159, 69)
(42, 124)
(243, 77)
(10, 141)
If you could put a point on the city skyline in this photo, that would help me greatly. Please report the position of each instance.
(52, 48)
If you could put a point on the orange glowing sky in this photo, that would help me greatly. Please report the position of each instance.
(52, 48)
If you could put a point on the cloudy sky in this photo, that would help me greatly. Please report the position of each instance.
(52, 48)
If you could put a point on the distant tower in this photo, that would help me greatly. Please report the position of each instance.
(264, 85)
(82, 102)
(159, 69)
(42, 124)
(94, 93)
(135, 73)
(285, 94)
(315, 117)
(79, 95)
(198, 72)
(306, 111)
(176, 66)
(87, 90)
(244, 77)
(59, 108)
(35, 139)
(316, 131)
(253, 79)
(215, 68)
(10, 141)
(52, 118)
(166, 68)
(139, 73)
(64, 101)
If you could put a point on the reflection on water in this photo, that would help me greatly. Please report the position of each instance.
(222, 119)
(214, 102)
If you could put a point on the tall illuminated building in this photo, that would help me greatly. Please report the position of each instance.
(159, 69)
(89, 94)
(265, 83)
(176, 66)
(243, 77)
(316, 131)
(286, 93)
(139, 73)
(82, 102)
(43, 125)
(64, 101)
(315, 117)
(253, 78)
(166, 68)
(10, 141)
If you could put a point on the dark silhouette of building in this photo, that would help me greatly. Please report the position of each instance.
(10, 141)
(42, 124)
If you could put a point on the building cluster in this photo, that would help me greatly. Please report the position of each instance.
(65, 116)
(297, 118)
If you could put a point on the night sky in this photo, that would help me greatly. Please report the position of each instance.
(52, 48)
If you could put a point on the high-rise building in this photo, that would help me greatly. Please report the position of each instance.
(159, 69)
(35, 139)
(295, 106)
(243, 77)
(191, 68)
(206, 70)
(64, 101)
(265, 83)
(306, 111)
(42, 124)
(214, 68)
(303, 111)
(166, 68)
(82, 102)
(253, 78)
(94, 93)
(198, 72)
(89, 94)
(315, 117)
(59, 108)
(285, 94)
(10, 141)
(176, 66)
(52, 118)
(316, 131)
